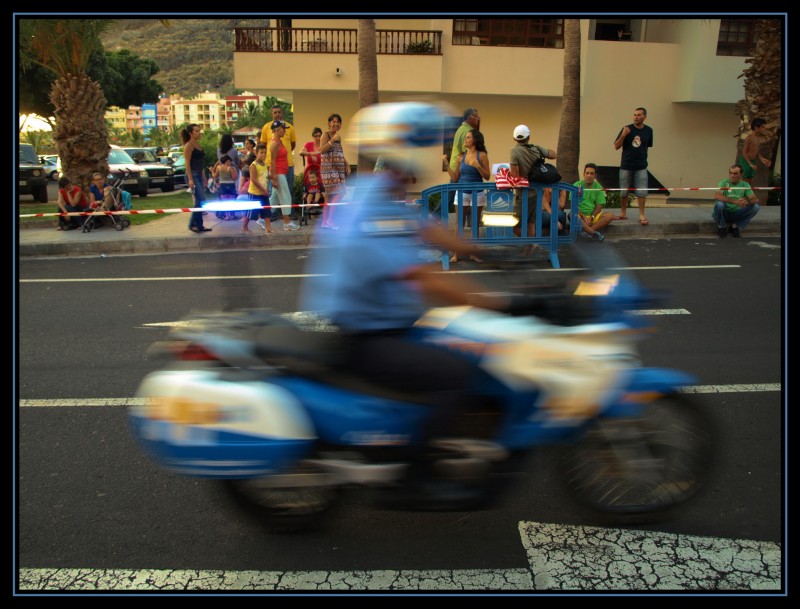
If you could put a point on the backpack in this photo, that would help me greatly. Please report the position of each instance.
(543, 173)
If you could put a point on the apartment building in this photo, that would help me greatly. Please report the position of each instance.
(685, 72)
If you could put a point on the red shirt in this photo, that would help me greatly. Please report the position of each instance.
(81, 203)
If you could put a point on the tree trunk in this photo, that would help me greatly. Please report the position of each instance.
(569, 132)
(367, 72)
(80, 133)
(763, 96)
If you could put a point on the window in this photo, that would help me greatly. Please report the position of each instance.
(548, 33)
(736, 37)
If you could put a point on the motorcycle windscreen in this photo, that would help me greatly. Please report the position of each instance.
(196, 424)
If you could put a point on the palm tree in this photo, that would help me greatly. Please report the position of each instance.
(763, 96)
(80, 133)
(367, 72)
(40, 140)
(570, 128)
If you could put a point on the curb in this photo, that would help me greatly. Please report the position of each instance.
(244, 242)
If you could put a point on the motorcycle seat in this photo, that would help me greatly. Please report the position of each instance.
(294, 345)
(321, 356)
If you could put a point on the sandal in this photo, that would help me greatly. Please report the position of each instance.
(620, 217)
(644, 221)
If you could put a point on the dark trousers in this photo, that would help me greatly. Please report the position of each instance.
(442, 378)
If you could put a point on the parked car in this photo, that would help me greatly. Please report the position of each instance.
(119, 163)
(51, 166)
(161, 175)
(32, 175)
(179, 167)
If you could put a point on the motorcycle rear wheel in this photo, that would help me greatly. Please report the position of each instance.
(285, 503)
(628, 469)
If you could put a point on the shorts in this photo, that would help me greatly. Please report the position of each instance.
(531, 205)
(255, 214)
(639, 181)
(466, 200)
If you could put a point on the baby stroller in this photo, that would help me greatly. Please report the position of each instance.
(118, 200)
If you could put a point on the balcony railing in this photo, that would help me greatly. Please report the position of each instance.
(330, 40)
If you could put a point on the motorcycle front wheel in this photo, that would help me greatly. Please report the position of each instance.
(288, 502)
(630, 468)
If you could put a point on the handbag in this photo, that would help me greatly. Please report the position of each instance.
(544, 173)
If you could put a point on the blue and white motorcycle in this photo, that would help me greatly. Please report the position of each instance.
(262, 403)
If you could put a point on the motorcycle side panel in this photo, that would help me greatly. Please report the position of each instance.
(351, 418)
(196, 424)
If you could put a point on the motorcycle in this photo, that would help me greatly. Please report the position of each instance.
(261, 402)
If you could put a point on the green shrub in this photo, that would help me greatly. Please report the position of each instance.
(433, 201)
(297, 188)
(775, 197)
(612, 199)
(420, 47)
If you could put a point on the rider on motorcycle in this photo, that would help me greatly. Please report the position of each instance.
(374, 278)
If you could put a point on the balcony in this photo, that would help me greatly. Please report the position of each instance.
(335, 41)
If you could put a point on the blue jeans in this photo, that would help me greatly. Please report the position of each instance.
(199, 196)
(562, 217)
(740, 218)
(639, 178)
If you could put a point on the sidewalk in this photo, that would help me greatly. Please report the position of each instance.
(171, 233)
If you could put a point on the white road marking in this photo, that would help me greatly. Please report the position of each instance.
(132, 401)
(561, 557)
(593, 558)
(184, 580)
(303, 275)
(199, 278)
(659, 312)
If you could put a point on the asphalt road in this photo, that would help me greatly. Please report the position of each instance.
(88, 497)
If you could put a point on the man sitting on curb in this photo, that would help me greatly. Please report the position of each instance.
(735, 204)
(590, 211)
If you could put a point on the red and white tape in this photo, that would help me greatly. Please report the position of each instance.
(182, 210)
(175, 210)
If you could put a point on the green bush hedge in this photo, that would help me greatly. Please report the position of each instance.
(775, 197)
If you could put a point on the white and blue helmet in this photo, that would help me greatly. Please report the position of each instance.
(397, 132)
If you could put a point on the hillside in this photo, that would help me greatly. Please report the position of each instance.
(193, 54)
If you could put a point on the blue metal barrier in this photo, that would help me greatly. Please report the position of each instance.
(501, 202)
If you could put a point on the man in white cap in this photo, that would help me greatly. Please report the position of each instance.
(523, 156)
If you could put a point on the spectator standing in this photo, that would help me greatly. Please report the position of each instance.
(289, 142)
(278, 173)
(194, 156)
(635, 140)
(334, 168)
(257, 189)
(522, 157)
(735, 204)
(471, 120)
(472, 167)
(751, 152)
(312, 159)
(249, 153)
(228, 176)
(226, 148)
(590, 210)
